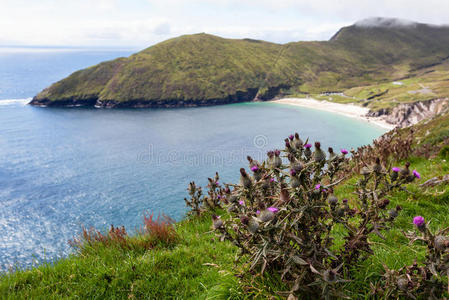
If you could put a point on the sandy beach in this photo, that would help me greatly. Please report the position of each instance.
(348, 110)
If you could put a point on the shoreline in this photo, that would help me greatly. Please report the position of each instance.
(348, 110)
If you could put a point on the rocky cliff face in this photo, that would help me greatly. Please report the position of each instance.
(407, 114)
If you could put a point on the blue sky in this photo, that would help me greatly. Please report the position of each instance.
(140, 23)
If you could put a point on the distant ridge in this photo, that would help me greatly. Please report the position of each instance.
(203, 69)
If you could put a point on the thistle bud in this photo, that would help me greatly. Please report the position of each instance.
(377, 168)
(402, 284)
(245, 181)
(441, 242)
(297, 142)
(319, 154)
(384, 203)
(307, 151)
(217, 222)
(253, 225)
(332, 154)
(395, 173)
(291, 137)
(268, 214)
(332, 200)
(277, 161)
(393, 213)
(294, 182)
(405, 172)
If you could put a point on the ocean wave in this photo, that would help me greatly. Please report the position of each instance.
(22, 102)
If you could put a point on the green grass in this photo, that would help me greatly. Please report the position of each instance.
(182, 270)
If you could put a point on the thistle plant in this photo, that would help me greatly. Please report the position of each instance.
(199, 203)
(426, 280)
(283, 215)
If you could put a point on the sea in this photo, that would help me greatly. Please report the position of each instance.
(62, 169)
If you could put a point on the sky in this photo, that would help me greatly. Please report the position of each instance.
(141, 23)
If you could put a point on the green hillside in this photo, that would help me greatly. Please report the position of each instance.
(203, 69)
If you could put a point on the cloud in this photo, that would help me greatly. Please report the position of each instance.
(140, 23)
(162, 29)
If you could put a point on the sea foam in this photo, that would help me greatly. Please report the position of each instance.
(15, 101)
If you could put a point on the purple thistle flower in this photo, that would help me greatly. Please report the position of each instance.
(318, 186)
(344, 151)
(307, 145)
(273, 209)
(416, 174)
(292, 172)
(291, 137)
(241, 202)
(277, 152)
(271, 179)
(254, 168)
(419, 221)
(219, 196)
(257, 212)
(395, 169)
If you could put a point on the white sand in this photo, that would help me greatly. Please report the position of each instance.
(349, 110)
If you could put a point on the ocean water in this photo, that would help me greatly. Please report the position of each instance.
(61, 168)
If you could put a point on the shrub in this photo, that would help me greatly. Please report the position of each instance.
(284, 216)
(160, 230)
(155, 232)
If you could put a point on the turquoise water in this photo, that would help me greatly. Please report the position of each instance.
(61, 169)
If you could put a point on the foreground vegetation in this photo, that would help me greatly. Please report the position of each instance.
(189, 260)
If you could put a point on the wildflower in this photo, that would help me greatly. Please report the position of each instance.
(416, 174)
(291, 137)
(419, 221)
(273, 209)
(292, 172)
(241, 202)
(395, 169)
(271, 179)
(307, 146)
(257, 212)
(254, 168)
(344, 151)
(318, 186)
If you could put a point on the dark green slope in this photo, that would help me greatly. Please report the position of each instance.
(203, 69)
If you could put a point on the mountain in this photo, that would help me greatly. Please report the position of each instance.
(203, 69)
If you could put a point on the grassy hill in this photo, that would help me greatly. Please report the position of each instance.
(203, 69)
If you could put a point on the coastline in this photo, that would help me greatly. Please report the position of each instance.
(349, 110)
